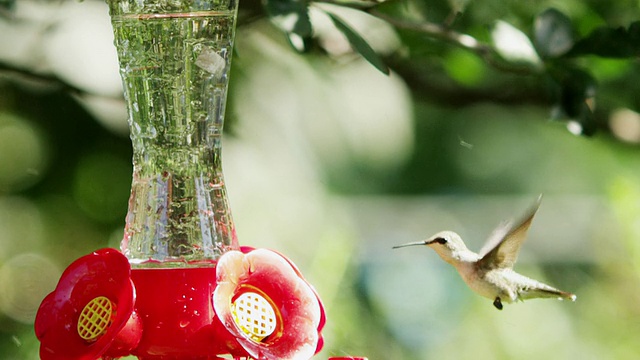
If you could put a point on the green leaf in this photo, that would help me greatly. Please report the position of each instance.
(577, 86)
(464, 67)
(292, 16)
(576, 96)
(553, 34)
(359, 44)
(513, 45)
(610, 42)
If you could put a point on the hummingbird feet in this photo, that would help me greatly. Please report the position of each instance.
(497, 303)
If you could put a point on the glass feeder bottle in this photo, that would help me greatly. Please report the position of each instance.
(174, 60)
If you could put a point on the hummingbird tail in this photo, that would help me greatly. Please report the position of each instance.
(561, 294)
(568, 295)
(548, 293)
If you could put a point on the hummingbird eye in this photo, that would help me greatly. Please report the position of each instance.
(440, 240)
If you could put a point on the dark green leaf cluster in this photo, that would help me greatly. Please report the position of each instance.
(556, 42)
(610, 42)
(559, 49)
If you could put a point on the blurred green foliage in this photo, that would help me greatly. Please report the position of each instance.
(332, 163)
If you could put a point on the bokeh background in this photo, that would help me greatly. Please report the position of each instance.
(331, 162)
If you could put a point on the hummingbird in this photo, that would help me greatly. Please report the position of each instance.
(490, 272)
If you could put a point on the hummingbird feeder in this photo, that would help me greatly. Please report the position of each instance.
(181, 287)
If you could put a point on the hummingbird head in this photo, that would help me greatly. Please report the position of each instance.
(447, 244)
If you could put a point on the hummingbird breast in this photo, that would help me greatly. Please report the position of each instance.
(490, 284)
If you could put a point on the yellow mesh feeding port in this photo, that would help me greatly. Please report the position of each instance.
(95, 318)
(254, 315)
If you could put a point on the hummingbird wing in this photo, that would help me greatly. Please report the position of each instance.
(502, 247)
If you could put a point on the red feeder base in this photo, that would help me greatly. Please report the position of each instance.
(177, 315)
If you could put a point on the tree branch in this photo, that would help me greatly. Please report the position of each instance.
(464, 41)
(30, 76)
(441, 32)
(426, 84)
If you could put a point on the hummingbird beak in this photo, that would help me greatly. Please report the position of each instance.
(411, 244)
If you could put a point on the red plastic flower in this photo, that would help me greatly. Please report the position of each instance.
(90, 313)
(263, 300)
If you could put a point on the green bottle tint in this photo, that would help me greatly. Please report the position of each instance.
(174, 59)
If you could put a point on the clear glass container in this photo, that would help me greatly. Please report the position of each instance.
(175, 57)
